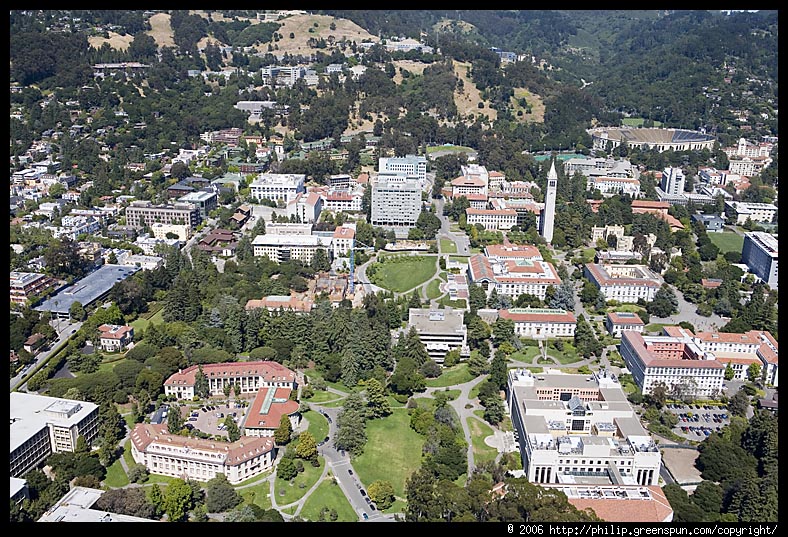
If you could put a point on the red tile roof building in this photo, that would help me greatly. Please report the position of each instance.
(513, 277)
(266, 411)
(622, 504)
(199, 459)
(250, 376)
(617, 322)
(115, 338)
(624, 283)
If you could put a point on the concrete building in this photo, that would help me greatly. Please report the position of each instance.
(204, 201)
(197, 459)
(673, 181)
(618, 321)
(144, 213)
(744, 148)
(624, 283)
(548, 215)
(114, 338)
(160, 230)
(250, 376)
(25, 285)
(650, 138)
(748, 166)
(440, 331)
(277, 186)
(282, 248)
(306, 207)
(759, 253)
(579, 430)
(42, 425)
(756, 212)
(144, 262)
(600, 167)
(712, 222)
(409, 165)
(624, 243)
(86, 291)
(344, 240)
(288, 228)
(396, 202)
(540, 323)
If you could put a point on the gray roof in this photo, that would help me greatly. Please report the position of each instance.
(30, 413)
(88, 289)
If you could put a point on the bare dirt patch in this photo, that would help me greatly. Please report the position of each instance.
(468, 100)
(161, 31)
(116, 41)
(299, 26)
(415, 68)
(534, 100)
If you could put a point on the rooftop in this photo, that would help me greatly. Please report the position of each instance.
(88, 289)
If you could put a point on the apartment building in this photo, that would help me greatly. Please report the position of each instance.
(624, 283)
(579, 429)
(42, 425)
(144, 213)
(760, 254)
(539, 323)
(25, 285)
(200, 459)
(250, 376)
(440, 331)
(204, 201)
(277, 186)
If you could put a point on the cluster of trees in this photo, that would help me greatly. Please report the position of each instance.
(743, 492)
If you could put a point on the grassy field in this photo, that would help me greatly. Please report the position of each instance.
(318, 425)
(535, 103)
(448, 246)
(453, 375)
(392, 453)
(479, 431)
(446, 301)
(288, 493)
(328, 495)
(459, 259)
(525, 355)
(402, 273)
(654, 327)
(257, 495)
(142, 323)
(433, 289)
(116, 475)
(435, 149)
(727, 242)
(567, 356)
(322, 397)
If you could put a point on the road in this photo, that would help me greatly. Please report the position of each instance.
(66, 330)
(460, 239)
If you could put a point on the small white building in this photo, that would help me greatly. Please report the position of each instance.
(539, 323)
(618, 321)
(114, 338)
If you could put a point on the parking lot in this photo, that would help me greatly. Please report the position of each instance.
(210, 417)
(696, 422)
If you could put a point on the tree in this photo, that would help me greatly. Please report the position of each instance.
(729, 372)
(320, 261)
(377, 404)
(664, 303)
(739, 403)
(382, 493)
(283, 432)
(76, 311)
(221, 495)
(754, 372)
(177, 500)
(138, 473)
(286, 469)
(126, 501)
(201, 386)
(307, 447)
(233, 433)
(174, 419)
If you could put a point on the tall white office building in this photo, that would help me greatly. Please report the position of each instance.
(760, 254)
(396, 201)
(672, 181)
(410, 165)
(548, 213)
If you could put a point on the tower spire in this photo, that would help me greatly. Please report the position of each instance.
(547, 218)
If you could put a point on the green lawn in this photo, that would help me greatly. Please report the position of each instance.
(403, 272)
(727, 241)
(259, 494)
(142, 323)
(328, 495)
(637, 122)
(392, 452)
(116, 476)
(454, 228)
(318, 425)
(567, 356)
(446, 301)
(322, 397)
(654, 327)
(454, 375)
(525, 355)
(479, 431)
(459, 259)
(437, 148)
(433, 289)
(448, 246)
(301, 483)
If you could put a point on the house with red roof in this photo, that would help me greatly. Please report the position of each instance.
(114, 338)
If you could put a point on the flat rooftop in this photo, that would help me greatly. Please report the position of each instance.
(30, 413)
(88, 289)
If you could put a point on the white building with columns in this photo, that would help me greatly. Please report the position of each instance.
(579, 429)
